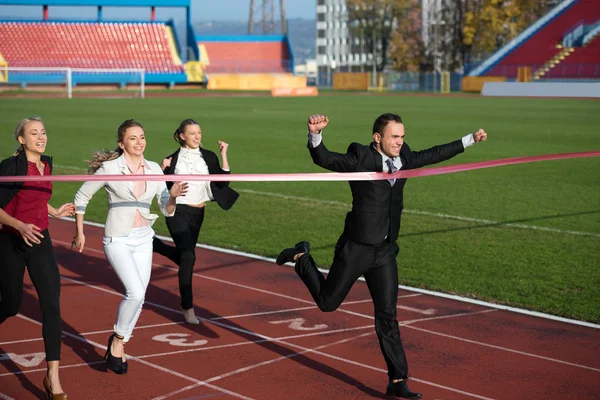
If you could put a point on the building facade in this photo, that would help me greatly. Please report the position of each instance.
(337, 49)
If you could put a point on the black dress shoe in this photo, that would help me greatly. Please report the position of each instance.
(287, 255)
(400, 389)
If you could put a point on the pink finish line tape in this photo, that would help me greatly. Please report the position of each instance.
(314, 177)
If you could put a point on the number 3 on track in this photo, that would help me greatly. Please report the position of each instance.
(178, 339)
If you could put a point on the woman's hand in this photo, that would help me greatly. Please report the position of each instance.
(78, 241)
(223, 147)
(178, 189)
(166, 163)
(66, 210)
(30, 233)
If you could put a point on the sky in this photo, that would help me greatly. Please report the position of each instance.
(202, 10)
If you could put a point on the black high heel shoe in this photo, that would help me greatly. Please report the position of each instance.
(113, 363)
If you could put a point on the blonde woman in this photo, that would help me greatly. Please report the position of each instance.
(25, 241)
(128, 230)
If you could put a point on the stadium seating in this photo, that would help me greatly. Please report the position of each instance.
(247, 57)
(543, 45)
(583, 62)
(89, 45)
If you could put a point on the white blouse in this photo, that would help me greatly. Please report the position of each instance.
(191, 162)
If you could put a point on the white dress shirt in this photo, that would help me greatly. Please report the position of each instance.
(191, 162)
(315, 140)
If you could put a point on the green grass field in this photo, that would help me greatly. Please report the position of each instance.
(524, 235)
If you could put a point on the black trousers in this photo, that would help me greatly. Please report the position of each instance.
(43, 270)
(378, 265)
(184, 228)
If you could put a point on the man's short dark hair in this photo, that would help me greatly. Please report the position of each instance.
(383, 120)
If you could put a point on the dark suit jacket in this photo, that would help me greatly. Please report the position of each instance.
(377, 205)
(14, 166)
(222, 193)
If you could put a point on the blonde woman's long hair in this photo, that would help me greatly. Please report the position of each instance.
(99, 156)
(20, 131)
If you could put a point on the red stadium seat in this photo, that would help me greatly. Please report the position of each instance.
(88, 45)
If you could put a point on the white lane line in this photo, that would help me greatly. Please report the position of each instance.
(503, 348)
(250, 367)
(199, 349)
(30, 371)
(257, 341)
(5, 397)
(22, 341)
(371, 300)
(274, 340)
(266, 338)
(227, 317)
(147, 363)
(403, 287)
(407, 211)
(305, 301)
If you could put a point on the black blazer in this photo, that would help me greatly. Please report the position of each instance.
(222, 193)
(15, 166)
(377, 205)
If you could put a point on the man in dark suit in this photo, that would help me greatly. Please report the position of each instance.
(368, 244)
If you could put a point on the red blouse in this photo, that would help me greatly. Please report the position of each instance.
(30, 205)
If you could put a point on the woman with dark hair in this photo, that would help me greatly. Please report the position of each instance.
(128, 230)
(25, 241)
(192, 159)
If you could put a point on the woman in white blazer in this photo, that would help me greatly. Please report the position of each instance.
(128, 231)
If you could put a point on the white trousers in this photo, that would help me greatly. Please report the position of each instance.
(131, 258)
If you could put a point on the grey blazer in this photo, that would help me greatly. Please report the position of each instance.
(122, 203)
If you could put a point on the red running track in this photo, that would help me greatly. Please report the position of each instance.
(262, 338)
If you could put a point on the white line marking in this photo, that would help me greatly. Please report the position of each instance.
(427, 213)
(248, 368)
(22, 341)
(5, 397)
(371, 300)
(300, 300)
(293, 345)
(258, 341)
(30, 371)
(227, 317)
(245, 331)
(174, 352)
(429, 311)
(137, 327)
(403, 287)
(149, 364)
(266, 338)
(503, 348)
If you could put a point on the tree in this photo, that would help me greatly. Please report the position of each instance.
(374, 22)
(476, 28)
(406, 47)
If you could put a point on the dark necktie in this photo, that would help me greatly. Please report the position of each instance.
(391, 169)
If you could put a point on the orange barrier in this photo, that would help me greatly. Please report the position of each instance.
(306, 91)
(254, 81)
(524, 74)
(475, 83)
(351, 81)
